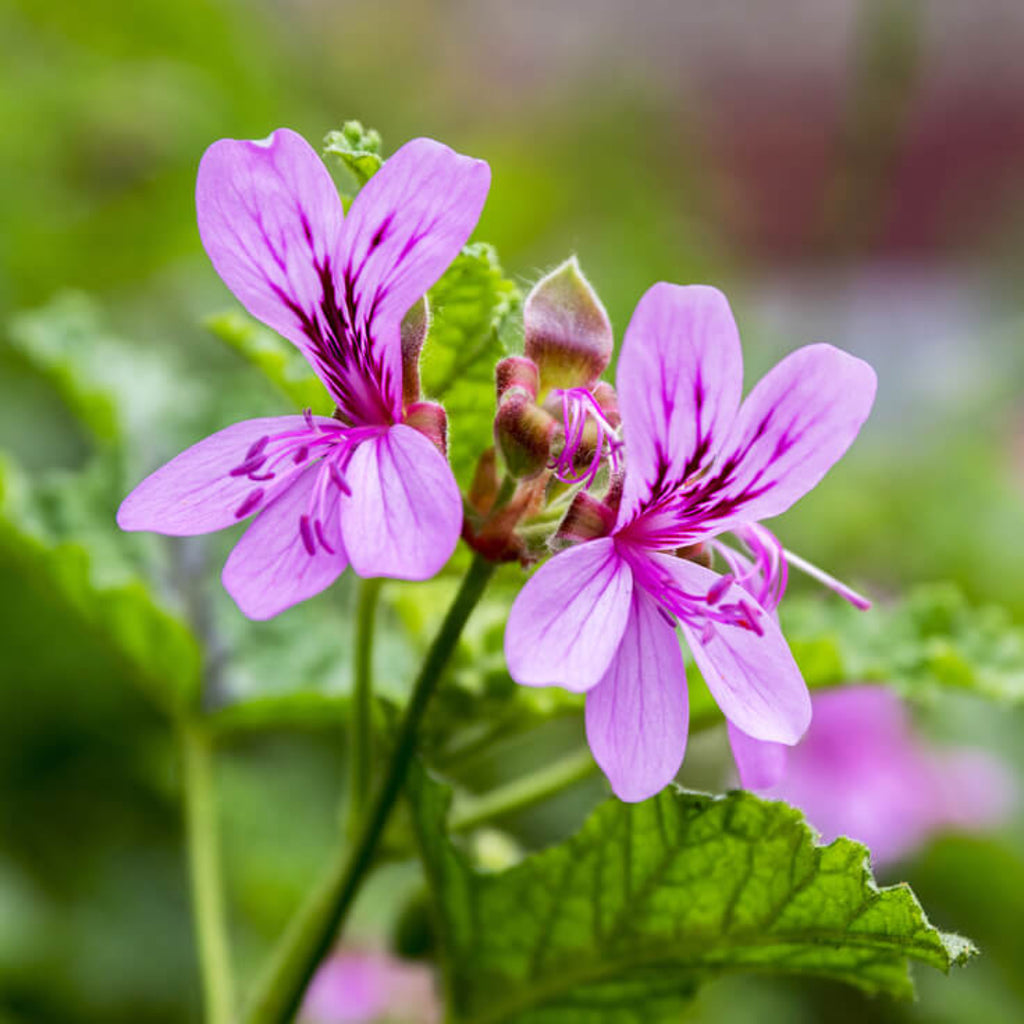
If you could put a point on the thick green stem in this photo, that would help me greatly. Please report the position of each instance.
(314, 928)
(204, 868)
(361, 718)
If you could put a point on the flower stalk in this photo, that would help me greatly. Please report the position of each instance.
(316, 924)
(361, 717)
(206, 876)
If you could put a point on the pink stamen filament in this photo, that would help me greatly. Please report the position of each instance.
(845, 592)
(697, 612)
(767, 576)
(332, 446)
(577, 405)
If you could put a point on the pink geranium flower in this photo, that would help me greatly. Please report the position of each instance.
(862, 772)
(363, 488)
(600, 617)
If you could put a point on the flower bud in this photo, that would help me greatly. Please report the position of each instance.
(517, 372)
(567, 331)
(431, 421)
(523, 432)
(483, 489)
(413, 334)
(587, 519)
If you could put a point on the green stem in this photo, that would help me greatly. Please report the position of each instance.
(520, 794)
(523, 792)
(315, 926)
(205, 872)
(361, 718)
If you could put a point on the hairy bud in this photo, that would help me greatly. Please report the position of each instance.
(587, 519)
(414, 333)
(518, 373)
(567, 331)
(523, 432)
(484, 487)
(431, 421)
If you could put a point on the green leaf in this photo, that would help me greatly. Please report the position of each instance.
(154, 649)
(472, 312)
(357, 148)
(623, 921)
(280, 362)
(111, 386)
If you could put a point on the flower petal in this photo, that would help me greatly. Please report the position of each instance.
(753, 678)
(270, 568)
(404, 515)
(679, 381)
(638, 715)
(791, 429)
(270, 220)
(566, 623)
(760, 763)
(405, 227)
(196, 493)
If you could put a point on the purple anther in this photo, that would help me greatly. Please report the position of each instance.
(257, 447)
(318, 527)
(252, 499)
(717, 590)
(307, 535)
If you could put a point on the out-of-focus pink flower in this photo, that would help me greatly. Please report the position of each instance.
(370, 987)
(862, 772)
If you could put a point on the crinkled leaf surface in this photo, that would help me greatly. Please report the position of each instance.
(623, 921)
(471, 310)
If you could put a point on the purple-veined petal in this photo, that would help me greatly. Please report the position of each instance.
(799, 420)
(405, 227)
(271, 568)
(566, 623)
(753, 677)
(404, 514)
(760, 763)
(270, 220)
(196, 492)
(638, 715)
(679, 381)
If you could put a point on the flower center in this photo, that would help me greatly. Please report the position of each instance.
(699, 612)
(274, 461)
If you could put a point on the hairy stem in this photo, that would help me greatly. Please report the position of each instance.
(205, 872)
(361, 717)
(312, 931)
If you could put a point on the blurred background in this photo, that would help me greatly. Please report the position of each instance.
(846, 171)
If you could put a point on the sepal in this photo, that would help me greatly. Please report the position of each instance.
(567, 331)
